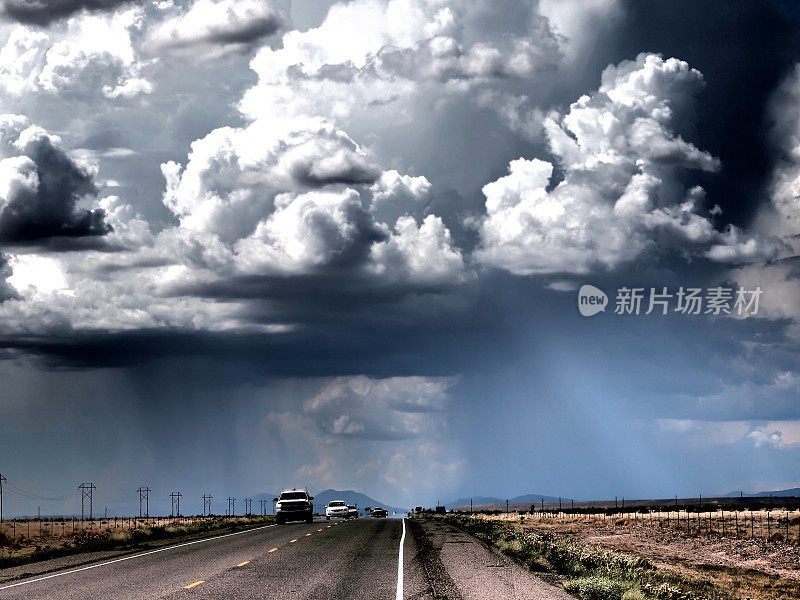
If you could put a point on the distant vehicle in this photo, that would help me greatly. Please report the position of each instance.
(294, 505)
(379, 513)
(337, 508)
(352, 511)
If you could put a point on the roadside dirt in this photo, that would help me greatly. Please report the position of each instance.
(460, 567)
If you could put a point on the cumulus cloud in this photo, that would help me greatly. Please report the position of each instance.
(212, 26)
(774, 434)
(781, 216)
(621, 195)
(300, 196)
(86, 58)
(393, 408)
(375, 51)
(233, 175)
(41, 185)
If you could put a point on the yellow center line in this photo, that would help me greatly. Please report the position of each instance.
(308, 534)
(241, 564)
(195, 584)
(273, 550)
(319, 529)
(292, 541)
(329, 526)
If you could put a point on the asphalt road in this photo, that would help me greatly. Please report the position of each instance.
(348, 560)
(337, 559)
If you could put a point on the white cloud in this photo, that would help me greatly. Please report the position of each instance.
(776, 434)
(619, 196)
(372, 52)
(209, 27)
(88, 56)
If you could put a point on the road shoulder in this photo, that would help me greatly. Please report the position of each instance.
(458, 566)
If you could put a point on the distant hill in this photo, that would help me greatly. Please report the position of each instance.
(476, 501)
(486, 500)
(535, 498)
(776, 494)
(351, 497)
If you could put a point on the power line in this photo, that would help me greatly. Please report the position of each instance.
(87, 490)
(176, 500)
(248, 505)
(144, 494)
(207, 503)
(2, 479)
(231, 506)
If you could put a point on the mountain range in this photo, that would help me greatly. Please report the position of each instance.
(775, 493)
(483, 500)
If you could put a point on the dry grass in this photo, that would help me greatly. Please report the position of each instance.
(25, 541)
(750, 566)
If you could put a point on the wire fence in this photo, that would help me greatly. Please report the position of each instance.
(50, 527)
(774, 525)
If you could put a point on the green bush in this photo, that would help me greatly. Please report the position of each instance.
(633, 594)
(596, 587)
(4, 539)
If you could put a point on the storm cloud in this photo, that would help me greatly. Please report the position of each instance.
(41, 185)
(44, 12)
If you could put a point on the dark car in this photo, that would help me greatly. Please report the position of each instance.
(379, 513)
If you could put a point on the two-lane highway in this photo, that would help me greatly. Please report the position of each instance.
(363, 559)
(353, 559)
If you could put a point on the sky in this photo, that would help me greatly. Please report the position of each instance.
(249, 245)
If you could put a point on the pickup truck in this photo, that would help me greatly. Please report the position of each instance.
(294, 505)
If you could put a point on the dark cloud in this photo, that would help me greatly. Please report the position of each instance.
(44, 12)
(43, 185)
(247, 33)
(6, 291)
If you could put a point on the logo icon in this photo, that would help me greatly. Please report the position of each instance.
(591, 300)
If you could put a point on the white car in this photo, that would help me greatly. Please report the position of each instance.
(336, 508)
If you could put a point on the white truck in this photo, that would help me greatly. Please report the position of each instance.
(294, 505)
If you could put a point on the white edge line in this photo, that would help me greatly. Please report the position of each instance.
(116, 560)
(399, 595)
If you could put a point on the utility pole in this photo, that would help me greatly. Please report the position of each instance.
(87, 490)
(248, 505)
(2, 479)
(144, 494)
(231, 506)
(263, 507)
(207, 503)
(176, 503)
